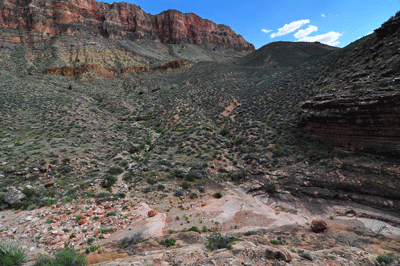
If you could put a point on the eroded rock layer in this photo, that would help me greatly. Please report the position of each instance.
(369, 123)
(34, 20)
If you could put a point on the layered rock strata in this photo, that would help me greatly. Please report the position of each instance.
(24, 21)
(369, 123)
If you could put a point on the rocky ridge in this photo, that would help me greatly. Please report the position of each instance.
(35, 20)
(357, 106)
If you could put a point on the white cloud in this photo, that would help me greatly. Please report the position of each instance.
(323, 15)
(303, 33)
(288, 28)
(329, 38)
(266, 31)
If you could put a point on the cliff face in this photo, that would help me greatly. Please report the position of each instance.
(370, 123)
(34, 20)
(358, 107)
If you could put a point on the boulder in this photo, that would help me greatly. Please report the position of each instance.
(318, 226)
(277, 252)
(13, 196)
(152, 213)
(9, 169)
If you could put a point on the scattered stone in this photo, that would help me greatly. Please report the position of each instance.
(318, 226)
(152, 213)
(106, 236)
(100, 211)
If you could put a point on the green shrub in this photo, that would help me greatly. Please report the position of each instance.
(191, 176)
(194, 229)
(193, 195)
(44, 260)
(12, 254)
(65, 257)
(278, 241)
(168, 242)
(127, 177)
(160, 187)
(385, 259)
(217, 195)
(133, 240)
(108, 181)
(69, 257)
(224, 131)
(271, 188)
(305, 255)
(93, 248)
(178, 193)
(134, 149)
(146, 189)
(151, 181)
(217, 241)
(115, 170)
(238, 141)
(185, 185)
(102, 194)
(250, 233)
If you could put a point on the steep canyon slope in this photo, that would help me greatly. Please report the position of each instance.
(116, 123)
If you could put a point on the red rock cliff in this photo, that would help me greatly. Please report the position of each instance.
(33, 20)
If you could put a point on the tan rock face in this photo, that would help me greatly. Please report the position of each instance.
(103, 257)
(41, 19)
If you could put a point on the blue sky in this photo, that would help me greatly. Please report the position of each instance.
(335, 22)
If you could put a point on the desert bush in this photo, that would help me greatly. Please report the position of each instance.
(178, 193)
(217, 241)
(185, 185)
(11, 254)
(115, 170)
(168, 242)
(108, 181)
(64, 257)
(250, 233)
(133, 240)
(147, 189)
(224, 131)
(217, 195)
(305, 255)
(238, 141)
(194, 229)
(385, 259)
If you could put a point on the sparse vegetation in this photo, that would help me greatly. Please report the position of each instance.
(217, 241)
(168, 242)
(67, 257)
(11, 254)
